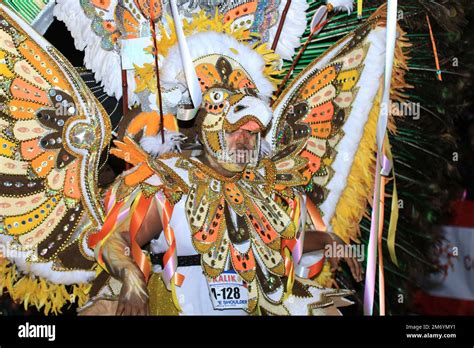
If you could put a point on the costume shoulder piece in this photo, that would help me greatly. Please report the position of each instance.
(149, 174)
(52, 132)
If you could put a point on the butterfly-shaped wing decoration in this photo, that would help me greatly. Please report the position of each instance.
(97, 27)
(324, 124)
(262, 17)
(52, 132)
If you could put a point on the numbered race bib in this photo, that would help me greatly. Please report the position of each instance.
(228, 291)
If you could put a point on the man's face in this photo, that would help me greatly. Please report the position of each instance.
(230, 126)
(242, 148)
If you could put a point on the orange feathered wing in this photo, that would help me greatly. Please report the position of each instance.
(52, 131)
(324, 122)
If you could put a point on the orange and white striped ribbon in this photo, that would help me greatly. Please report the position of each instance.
(138, 212)
(170, 259)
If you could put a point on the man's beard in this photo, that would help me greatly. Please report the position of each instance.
(242, 154)
(239, 157)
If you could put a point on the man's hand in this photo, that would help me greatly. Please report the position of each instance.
(133, 298)
(315, 240)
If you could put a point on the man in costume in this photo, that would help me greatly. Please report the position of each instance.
(233, 213)
(232, 221)
(237, 266)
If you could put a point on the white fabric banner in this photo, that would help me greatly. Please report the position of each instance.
(457, 260)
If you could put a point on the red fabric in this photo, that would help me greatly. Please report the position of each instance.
(463, 214)
(435, 305)
(424, 303)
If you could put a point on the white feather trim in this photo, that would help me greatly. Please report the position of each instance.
(43, 270)
(203, 44)
(293, 29)
(342, 5)
(106, 65)
(155, 147)
(368, 84)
